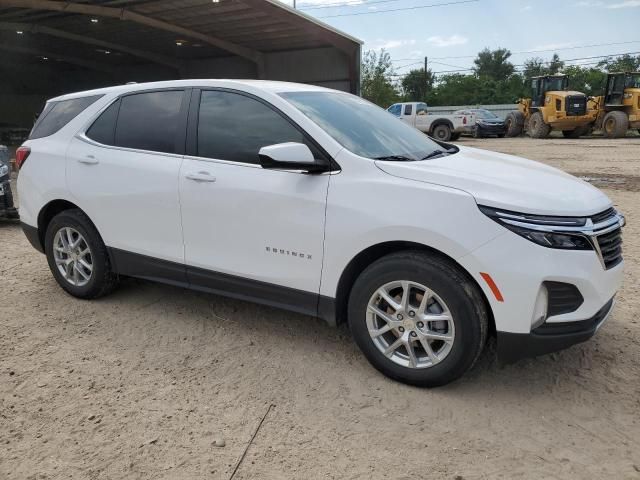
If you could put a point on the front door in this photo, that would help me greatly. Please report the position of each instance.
(249, 232)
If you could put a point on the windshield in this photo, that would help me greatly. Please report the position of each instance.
(361, 127)
(486, 114)
(556, 84)
(633, 81)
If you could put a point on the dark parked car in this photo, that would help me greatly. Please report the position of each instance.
(487, 123)
(7, 209)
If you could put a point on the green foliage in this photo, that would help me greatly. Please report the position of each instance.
(415, 86)
(377, 79)
(494, 64)
(494, 81)
(590, 81)
(625, 63)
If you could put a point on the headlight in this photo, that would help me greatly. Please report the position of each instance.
(4, 170)
(551, 232)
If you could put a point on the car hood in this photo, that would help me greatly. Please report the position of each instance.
(506, 181)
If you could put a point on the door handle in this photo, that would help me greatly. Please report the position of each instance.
(89, 160)
(200, 177)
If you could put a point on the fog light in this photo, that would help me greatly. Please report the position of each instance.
(540, 308)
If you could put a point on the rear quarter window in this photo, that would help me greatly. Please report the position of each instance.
(57, 114)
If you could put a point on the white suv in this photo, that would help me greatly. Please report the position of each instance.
(319, 202)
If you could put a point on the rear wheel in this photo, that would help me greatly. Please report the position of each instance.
(442, 132)
(537, 126)
(615, 124)
(77, 256)
(418, 319)
(455, 136)
(514, 123)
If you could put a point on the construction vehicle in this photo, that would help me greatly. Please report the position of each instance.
(619, 108)
(551, 107)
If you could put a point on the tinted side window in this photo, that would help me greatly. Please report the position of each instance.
(235, 127)
(149, 121)
(103, 129)
(56, 116)
(408, 109)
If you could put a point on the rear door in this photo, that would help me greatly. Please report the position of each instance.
(124, 170)
(250, 232)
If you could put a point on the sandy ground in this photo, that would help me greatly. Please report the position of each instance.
(151, 381)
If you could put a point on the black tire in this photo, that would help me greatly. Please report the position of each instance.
(514, 123)
(442, 132)
(461, 295)
(455, 136)
(615, 124)
(102, 280)
(537, 126)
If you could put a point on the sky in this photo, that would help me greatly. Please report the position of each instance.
(452, 33)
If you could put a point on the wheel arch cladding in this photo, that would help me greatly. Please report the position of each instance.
(49, 211)
(437, 123)
(373, 253)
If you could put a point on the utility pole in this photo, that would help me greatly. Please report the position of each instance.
(426, 78)
(294, 4)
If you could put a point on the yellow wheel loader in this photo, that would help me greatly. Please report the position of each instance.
(551, 107)
(619, 107)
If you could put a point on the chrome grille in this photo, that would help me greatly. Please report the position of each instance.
(611, 248)
(609, 242)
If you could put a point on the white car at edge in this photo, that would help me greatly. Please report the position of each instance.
(319, 202)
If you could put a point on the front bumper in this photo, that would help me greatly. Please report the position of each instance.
(550, 337)
(497, 129)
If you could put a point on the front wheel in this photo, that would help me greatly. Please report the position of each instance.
(418, 318)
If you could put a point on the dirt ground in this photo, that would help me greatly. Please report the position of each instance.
(155, 382)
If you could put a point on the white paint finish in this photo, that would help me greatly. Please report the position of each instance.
(288, 152)
(508, 182)
(235, 215)
(131, 196)
(234, 225)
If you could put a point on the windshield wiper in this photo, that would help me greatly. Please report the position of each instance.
(439, 153)
(395, 158)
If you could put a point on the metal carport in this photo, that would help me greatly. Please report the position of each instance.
(50, 47)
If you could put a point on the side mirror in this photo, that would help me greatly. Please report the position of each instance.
(290, 156)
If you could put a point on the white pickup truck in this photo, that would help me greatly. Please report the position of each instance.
(440, 127)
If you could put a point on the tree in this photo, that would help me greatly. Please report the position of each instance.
(415, 86)
(624, 63)
(590, 81)
(533, 67)
(494, 64)
(555, 65)
(376, 73)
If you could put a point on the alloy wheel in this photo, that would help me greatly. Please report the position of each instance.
(410, 324)
(72, 256)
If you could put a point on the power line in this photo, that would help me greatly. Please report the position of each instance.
(523, 65)
(347, 4)
(530, 51)
(400, 9)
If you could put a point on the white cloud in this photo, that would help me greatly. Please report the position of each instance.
(391, 44)
(601, 4)
(526, 8)
(625, 4)
(551, 46)
(450, 41)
